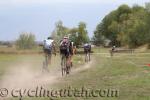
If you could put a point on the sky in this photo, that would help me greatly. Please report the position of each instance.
(39, 16)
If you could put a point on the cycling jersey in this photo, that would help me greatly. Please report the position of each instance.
(66, 47)
(87, 47)
(48, 43)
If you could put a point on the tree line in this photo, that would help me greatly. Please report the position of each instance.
(125, 26)
(78, 35)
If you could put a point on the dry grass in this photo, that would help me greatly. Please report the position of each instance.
(13, 50)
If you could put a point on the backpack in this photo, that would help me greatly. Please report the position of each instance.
(64, 44)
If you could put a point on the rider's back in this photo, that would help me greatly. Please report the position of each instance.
(64, 44)
(48, 43)
(65, 47)
(87, 47)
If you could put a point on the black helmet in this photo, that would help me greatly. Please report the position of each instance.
(49, 38)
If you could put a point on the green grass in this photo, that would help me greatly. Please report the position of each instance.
(124, 72)
(132, 80)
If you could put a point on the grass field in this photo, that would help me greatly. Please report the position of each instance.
(126, 73)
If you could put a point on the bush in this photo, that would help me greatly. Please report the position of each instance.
(26, 41)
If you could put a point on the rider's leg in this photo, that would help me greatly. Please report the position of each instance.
(68, 60)
(49, 56)
(46, 56)
(89, 55)
(49, 59)
(85, 55)
(71, 60)
(46, 62)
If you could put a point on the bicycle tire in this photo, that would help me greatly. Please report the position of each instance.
(63, 64)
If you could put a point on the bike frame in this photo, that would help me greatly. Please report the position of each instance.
(65, 66)
(87, 56)
(45, 63)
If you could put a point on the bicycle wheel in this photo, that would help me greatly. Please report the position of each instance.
(63, 64)
(89, 57)
(45, 65)
(86, 57)
(67, 68)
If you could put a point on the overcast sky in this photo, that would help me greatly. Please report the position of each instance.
(39, 16)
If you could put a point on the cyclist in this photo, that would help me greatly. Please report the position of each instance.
(48, 47)
(113, 48)
(87, 47)
(87, 50)
(66, 48)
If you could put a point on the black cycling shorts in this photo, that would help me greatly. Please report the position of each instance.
(65, 52)
(47, 51)
(87, 49)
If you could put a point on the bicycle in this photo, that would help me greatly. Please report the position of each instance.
(45, 63)
(87, 56)
(65, 65)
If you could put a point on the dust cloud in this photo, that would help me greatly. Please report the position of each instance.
(23, 76)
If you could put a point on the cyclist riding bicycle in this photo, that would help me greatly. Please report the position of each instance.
(87, 50)
(48, 47)
(113, 48)
(66, 49)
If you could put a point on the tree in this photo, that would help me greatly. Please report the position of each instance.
(148, 21)
(78, 34)
(98, 37)
(26, 41)
(60, 31)
(82, 33)
(147, 5)
(125, 26)
(74, 35)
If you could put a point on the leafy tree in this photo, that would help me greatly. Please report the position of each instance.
(148, 21)
(125, 26)
(82, 33)
(148, 6)
(74, 35)
(59, 32)
(98, 37)
(78, 35)
(60, 29)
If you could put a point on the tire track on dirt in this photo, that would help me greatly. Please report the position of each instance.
(22, 76)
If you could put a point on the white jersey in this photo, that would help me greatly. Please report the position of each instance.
(48, 43)
(86, 44)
